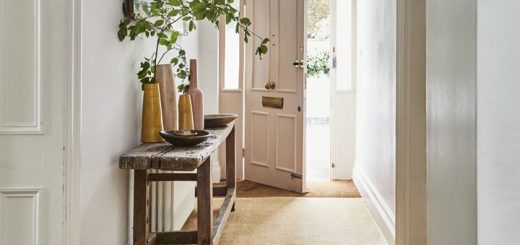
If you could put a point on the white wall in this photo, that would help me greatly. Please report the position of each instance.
(451, 117)
(110, 119)
(374, 172)
(498, 122)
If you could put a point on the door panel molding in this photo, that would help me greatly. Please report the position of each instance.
(20, 217)
(289, 91)
(286, 74)
(20, 78)
(294, 140)
(265, 133)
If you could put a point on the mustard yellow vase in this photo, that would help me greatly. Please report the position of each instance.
(185, 112)
(152, 117)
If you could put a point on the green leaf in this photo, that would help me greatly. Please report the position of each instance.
(159, 23)
(175, 2)
(245, 21)
(229, 18)
(174, 37)
(191, 26)
(263, 49)
(173, 12)
(121, 34)
(164, 42)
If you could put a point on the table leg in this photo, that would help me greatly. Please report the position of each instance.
(230, 162)
(141, 207)
(205, 203)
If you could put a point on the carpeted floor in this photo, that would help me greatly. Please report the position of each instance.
(339, 188)
(295, 220)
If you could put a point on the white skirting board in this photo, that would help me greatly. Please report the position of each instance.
(382, 213)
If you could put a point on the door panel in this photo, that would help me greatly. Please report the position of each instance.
(33, 71)
(260, 138)
(286, 74)
(286, 142)
(274, 137)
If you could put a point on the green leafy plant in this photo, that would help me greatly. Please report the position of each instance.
(183, 87)
(318, 64)
(157, 20)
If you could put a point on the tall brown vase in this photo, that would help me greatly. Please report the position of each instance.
(152, 119)
(164, 76)
(197, 97)
(185, 112)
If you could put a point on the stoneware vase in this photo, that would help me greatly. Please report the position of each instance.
(185, 112)
(164, 76)
(197, 97)
(152, 119)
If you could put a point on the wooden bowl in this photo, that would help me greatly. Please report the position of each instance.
(218, 120)
(176, 138)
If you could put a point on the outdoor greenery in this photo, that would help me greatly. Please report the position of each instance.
(317, 10)
(157, 20)
(318, 64)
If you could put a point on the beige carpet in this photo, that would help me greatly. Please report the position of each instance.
(293, 220)
(337, 188)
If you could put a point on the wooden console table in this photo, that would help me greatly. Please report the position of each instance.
(163, 156)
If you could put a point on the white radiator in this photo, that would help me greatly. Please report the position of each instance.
(161, 196)
(166, 199)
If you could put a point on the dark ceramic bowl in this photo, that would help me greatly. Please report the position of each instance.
(218, 120)
(176, 138)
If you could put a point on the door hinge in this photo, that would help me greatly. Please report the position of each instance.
(332, 165)
(243, 152)
(296, 176)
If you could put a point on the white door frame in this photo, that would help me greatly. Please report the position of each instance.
(71, 182)
(411, 123)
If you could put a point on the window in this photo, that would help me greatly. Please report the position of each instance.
(343, 33)
(232, 55)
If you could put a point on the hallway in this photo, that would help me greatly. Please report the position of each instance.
(272, 216)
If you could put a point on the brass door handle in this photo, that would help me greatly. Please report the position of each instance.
(270, 85)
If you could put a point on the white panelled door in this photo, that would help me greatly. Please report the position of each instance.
(274, 136)
(33, 51)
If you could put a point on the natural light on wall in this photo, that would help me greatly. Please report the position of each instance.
(232, 55)
(344, 45)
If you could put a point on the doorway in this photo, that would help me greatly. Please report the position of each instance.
(277, 144)
(317, 92)
(330, 91)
